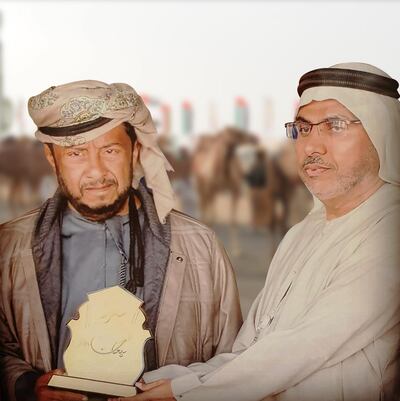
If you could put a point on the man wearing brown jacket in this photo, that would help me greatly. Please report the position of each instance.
(110, 223)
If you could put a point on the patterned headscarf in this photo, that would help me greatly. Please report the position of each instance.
(372, 96)
(78, 112)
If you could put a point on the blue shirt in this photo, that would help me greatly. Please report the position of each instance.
(95, 256)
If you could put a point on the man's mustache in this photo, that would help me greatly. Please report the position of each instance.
(98, 183)
(316, 160)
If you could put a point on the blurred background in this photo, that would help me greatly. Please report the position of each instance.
(219, 78)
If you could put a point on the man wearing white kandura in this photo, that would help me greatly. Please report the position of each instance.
(326, 324)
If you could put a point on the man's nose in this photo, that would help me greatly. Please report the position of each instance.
(315, 141)
(95, 168)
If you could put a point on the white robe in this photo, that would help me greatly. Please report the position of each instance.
(326, 324)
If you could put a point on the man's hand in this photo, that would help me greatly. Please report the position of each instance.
(45, 393)
(155, 391)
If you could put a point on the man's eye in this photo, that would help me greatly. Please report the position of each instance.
(75, 153)
(303, 128)
(112, 151)
(336, 125)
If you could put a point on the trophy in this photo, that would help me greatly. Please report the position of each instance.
(105, 355)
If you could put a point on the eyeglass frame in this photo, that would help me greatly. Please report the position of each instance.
(291, 124)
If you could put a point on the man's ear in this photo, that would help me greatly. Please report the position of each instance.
(136, 153)
(49, 156)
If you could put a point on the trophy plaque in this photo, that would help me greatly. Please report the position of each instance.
(105, 355)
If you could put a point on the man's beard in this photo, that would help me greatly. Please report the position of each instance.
(344, 181)
(100, 213)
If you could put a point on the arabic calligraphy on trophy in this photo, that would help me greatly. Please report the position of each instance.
(108, 338)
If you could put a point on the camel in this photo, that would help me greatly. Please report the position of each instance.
(296, 200)
(232, 161)
(217, 168)
(26, 176)
(219, 165)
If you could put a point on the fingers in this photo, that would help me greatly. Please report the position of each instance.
(137, 397)
(167, 399)
(159, 390)
(141, 397)
(44, 379)
(45, 393)
(48, 394)
(148, 386)
(58, 371)
(147, 397)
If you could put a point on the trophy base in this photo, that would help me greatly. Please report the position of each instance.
(95, 387)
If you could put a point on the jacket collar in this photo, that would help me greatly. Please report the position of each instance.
(161, 231)
(46, 251)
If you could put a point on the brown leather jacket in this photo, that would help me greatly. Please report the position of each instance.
(199, 313)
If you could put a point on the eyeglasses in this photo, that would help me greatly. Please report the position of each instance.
(334, 126)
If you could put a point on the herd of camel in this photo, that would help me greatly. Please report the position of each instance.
(234, 162)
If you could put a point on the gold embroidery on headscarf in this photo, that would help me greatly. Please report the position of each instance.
(83, 109)
(122, 100)
(45, 99)
(68, 141)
